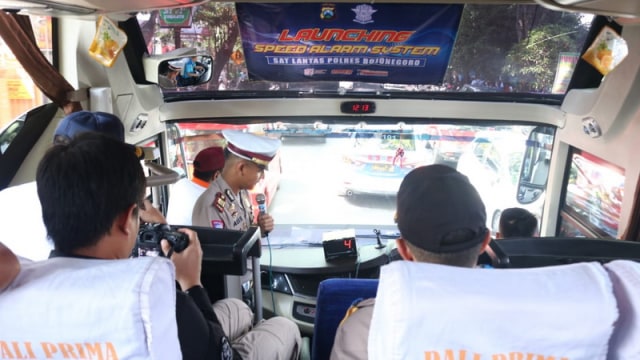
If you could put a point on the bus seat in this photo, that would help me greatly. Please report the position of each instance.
(625, 275)
(429, 311)
(87, 308)
(333, 299)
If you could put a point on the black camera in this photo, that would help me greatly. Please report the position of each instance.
(150, 235)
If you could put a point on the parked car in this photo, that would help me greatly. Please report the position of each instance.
(380, 157)
(448, 141)
(280, 129)
(9, 132)
(492, 162)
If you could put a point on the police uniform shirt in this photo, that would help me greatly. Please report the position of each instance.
(352, 336)
(219, 208)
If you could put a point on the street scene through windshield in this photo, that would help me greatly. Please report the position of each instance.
(346, 176)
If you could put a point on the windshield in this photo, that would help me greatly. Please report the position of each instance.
(336, 175)
(262, 48)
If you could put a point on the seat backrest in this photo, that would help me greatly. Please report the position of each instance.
(335, 296)
(427, 311)
(625, 343)
(67, 308)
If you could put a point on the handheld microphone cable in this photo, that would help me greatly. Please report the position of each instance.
(262, 207)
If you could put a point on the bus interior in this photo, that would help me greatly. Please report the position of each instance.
(536, 102)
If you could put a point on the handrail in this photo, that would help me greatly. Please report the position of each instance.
(161, 175)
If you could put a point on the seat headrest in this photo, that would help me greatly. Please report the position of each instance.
(427, 311)
(625, 342)
(87, 308)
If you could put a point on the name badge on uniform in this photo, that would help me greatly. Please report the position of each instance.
(230, 195)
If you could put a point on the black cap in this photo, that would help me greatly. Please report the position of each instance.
(436, 200)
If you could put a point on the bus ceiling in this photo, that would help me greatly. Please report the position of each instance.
(618, 8)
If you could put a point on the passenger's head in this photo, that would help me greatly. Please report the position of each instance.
(208, 163)
(91, 188)
(517, 222)
(441, 217)
(84, 121)
(248, 155)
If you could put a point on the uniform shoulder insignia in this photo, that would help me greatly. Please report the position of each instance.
(357, 304)
(219, 201)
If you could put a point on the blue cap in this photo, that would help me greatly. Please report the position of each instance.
(85, 121)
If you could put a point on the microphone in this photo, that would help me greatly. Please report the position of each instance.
(262, 206)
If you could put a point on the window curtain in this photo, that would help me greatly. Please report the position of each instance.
(18, 34)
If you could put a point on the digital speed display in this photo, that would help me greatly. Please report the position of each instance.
(358, 107)
(340, 249)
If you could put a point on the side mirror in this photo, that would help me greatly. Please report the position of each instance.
(178, 68)
(535, 165)
(184, 71)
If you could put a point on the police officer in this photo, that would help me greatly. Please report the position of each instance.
(226, 203)
(441, 219)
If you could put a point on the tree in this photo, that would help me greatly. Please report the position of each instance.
(503, 41)
(534, 61)
(224, 32)
(149, 27)
(482, 41)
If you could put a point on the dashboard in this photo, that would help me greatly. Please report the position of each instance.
(295, 274)
(288, 278)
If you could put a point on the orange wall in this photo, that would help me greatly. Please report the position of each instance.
(18, 94)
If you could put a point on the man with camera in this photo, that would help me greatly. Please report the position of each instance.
(23, 231)
(91, 206)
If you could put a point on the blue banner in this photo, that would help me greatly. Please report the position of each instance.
(383, 43)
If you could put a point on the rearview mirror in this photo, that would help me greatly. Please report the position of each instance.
(535, 164)
(184, 71)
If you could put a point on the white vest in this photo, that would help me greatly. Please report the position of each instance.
(625, 343)
(183, 196)
(68, 308)
(437, 312)
(21, 222)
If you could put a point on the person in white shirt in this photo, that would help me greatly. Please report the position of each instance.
(184, 193)
(23, 231)
(20, 212)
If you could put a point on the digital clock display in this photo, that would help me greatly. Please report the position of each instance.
(358, 107)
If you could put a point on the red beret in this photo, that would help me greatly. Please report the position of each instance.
(209, 160)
